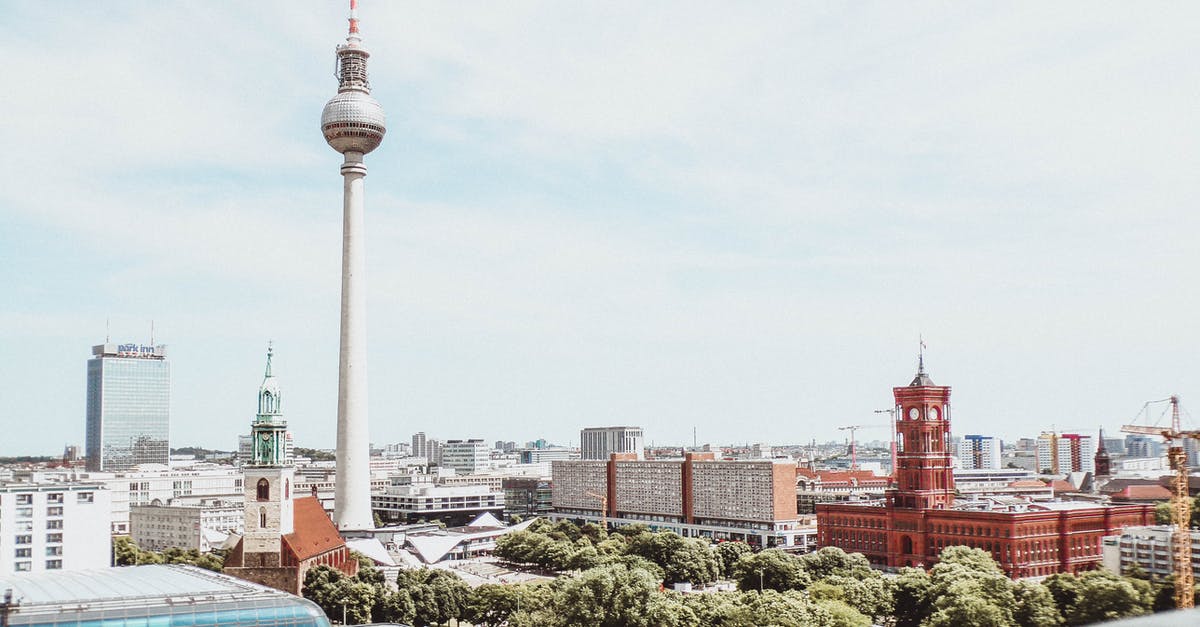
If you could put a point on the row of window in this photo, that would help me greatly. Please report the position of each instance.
(50, 550)
(23, 567)
(53, 498)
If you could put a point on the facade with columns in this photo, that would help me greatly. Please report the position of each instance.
(920, 516)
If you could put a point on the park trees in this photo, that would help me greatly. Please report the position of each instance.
(770, 570)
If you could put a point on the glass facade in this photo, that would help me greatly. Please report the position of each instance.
(128, 408)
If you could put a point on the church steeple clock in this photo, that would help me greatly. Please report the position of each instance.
(924, 476)
(268, 478)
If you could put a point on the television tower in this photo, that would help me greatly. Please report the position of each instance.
(353, 124)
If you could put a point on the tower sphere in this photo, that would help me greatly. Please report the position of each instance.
(353, 121)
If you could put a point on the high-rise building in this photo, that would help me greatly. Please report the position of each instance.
(979, 452)
(418, 445)
(353, 124)
(128, 406)
(465, 456)
(1060, 453)
(1143, 446)
(600, 442)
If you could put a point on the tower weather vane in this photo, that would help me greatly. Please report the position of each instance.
(353, 124)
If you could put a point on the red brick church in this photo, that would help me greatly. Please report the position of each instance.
(919, 515)
(284, 536)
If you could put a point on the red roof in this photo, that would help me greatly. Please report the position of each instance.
(1143, 493)
(1060, 485)
(312, 531)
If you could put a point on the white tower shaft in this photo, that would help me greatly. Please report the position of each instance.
(352, 505)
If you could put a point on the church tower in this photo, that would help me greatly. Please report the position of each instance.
(268, 479)
(924, 476)
(1103, 461)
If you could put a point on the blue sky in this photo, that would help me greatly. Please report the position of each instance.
(733, 216)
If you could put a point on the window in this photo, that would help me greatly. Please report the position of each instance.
(24, 512)
(54, 511)
(24, 499)
(54, 497)
(23, 540)
(54, 524)
(23, 553)
(264, 490)
(54, 537)
(85, 497)
(22, 566)
(262, 518)
(53, 550)
(53, 564)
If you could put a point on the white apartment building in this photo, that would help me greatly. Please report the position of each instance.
(979, 452)
(599, 442)
(1148, 547)
(159, 487)
(410, 499)
(54, 526)
(1066, 452)
(466, 456)
(202, 526)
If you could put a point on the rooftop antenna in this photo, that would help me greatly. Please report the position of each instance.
(106, 330)
(152, 332)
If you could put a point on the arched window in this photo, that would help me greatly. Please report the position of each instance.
(264, 490)
(287, 489)
(262, 518)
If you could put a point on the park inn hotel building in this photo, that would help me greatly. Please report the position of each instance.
(752, 501)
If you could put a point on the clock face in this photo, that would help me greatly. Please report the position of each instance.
(914, 413)
(933, 413)
(265, 436)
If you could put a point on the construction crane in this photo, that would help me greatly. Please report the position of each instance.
(603, 507)
(1181, 538)
(853, 444)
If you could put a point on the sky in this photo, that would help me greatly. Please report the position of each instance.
(736, 218)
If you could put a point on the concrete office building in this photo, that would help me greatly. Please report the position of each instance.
(203, 526)
(53, 526)
(600, 442)
(418, 445)
(128, 406)
(979, 452)
(697, 496)
(416, 498)
(129, 489)
(466, 456)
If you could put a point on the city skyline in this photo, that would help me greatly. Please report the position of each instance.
(738, 219)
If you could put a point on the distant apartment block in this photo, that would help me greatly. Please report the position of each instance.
(53, 526)
(979, 452)
(753, 501)
(1066, 452)
(203, 526)
(130, 489)
(1147, 547)
(466, 456)
(418, 445)
(527, 497)
(600, 442)
(544, 455)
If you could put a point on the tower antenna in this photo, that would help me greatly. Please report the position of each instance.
(151, 332)
(106, 330)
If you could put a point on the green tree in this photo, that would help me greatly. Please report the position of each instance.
(1106, 596)
(770, 570)
(1035, 606)
(968, 585)
(607, 596)
(728, 553)
(832, 560)
(911, 598)
(394, 607)
(437, 595)
(842, 614)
